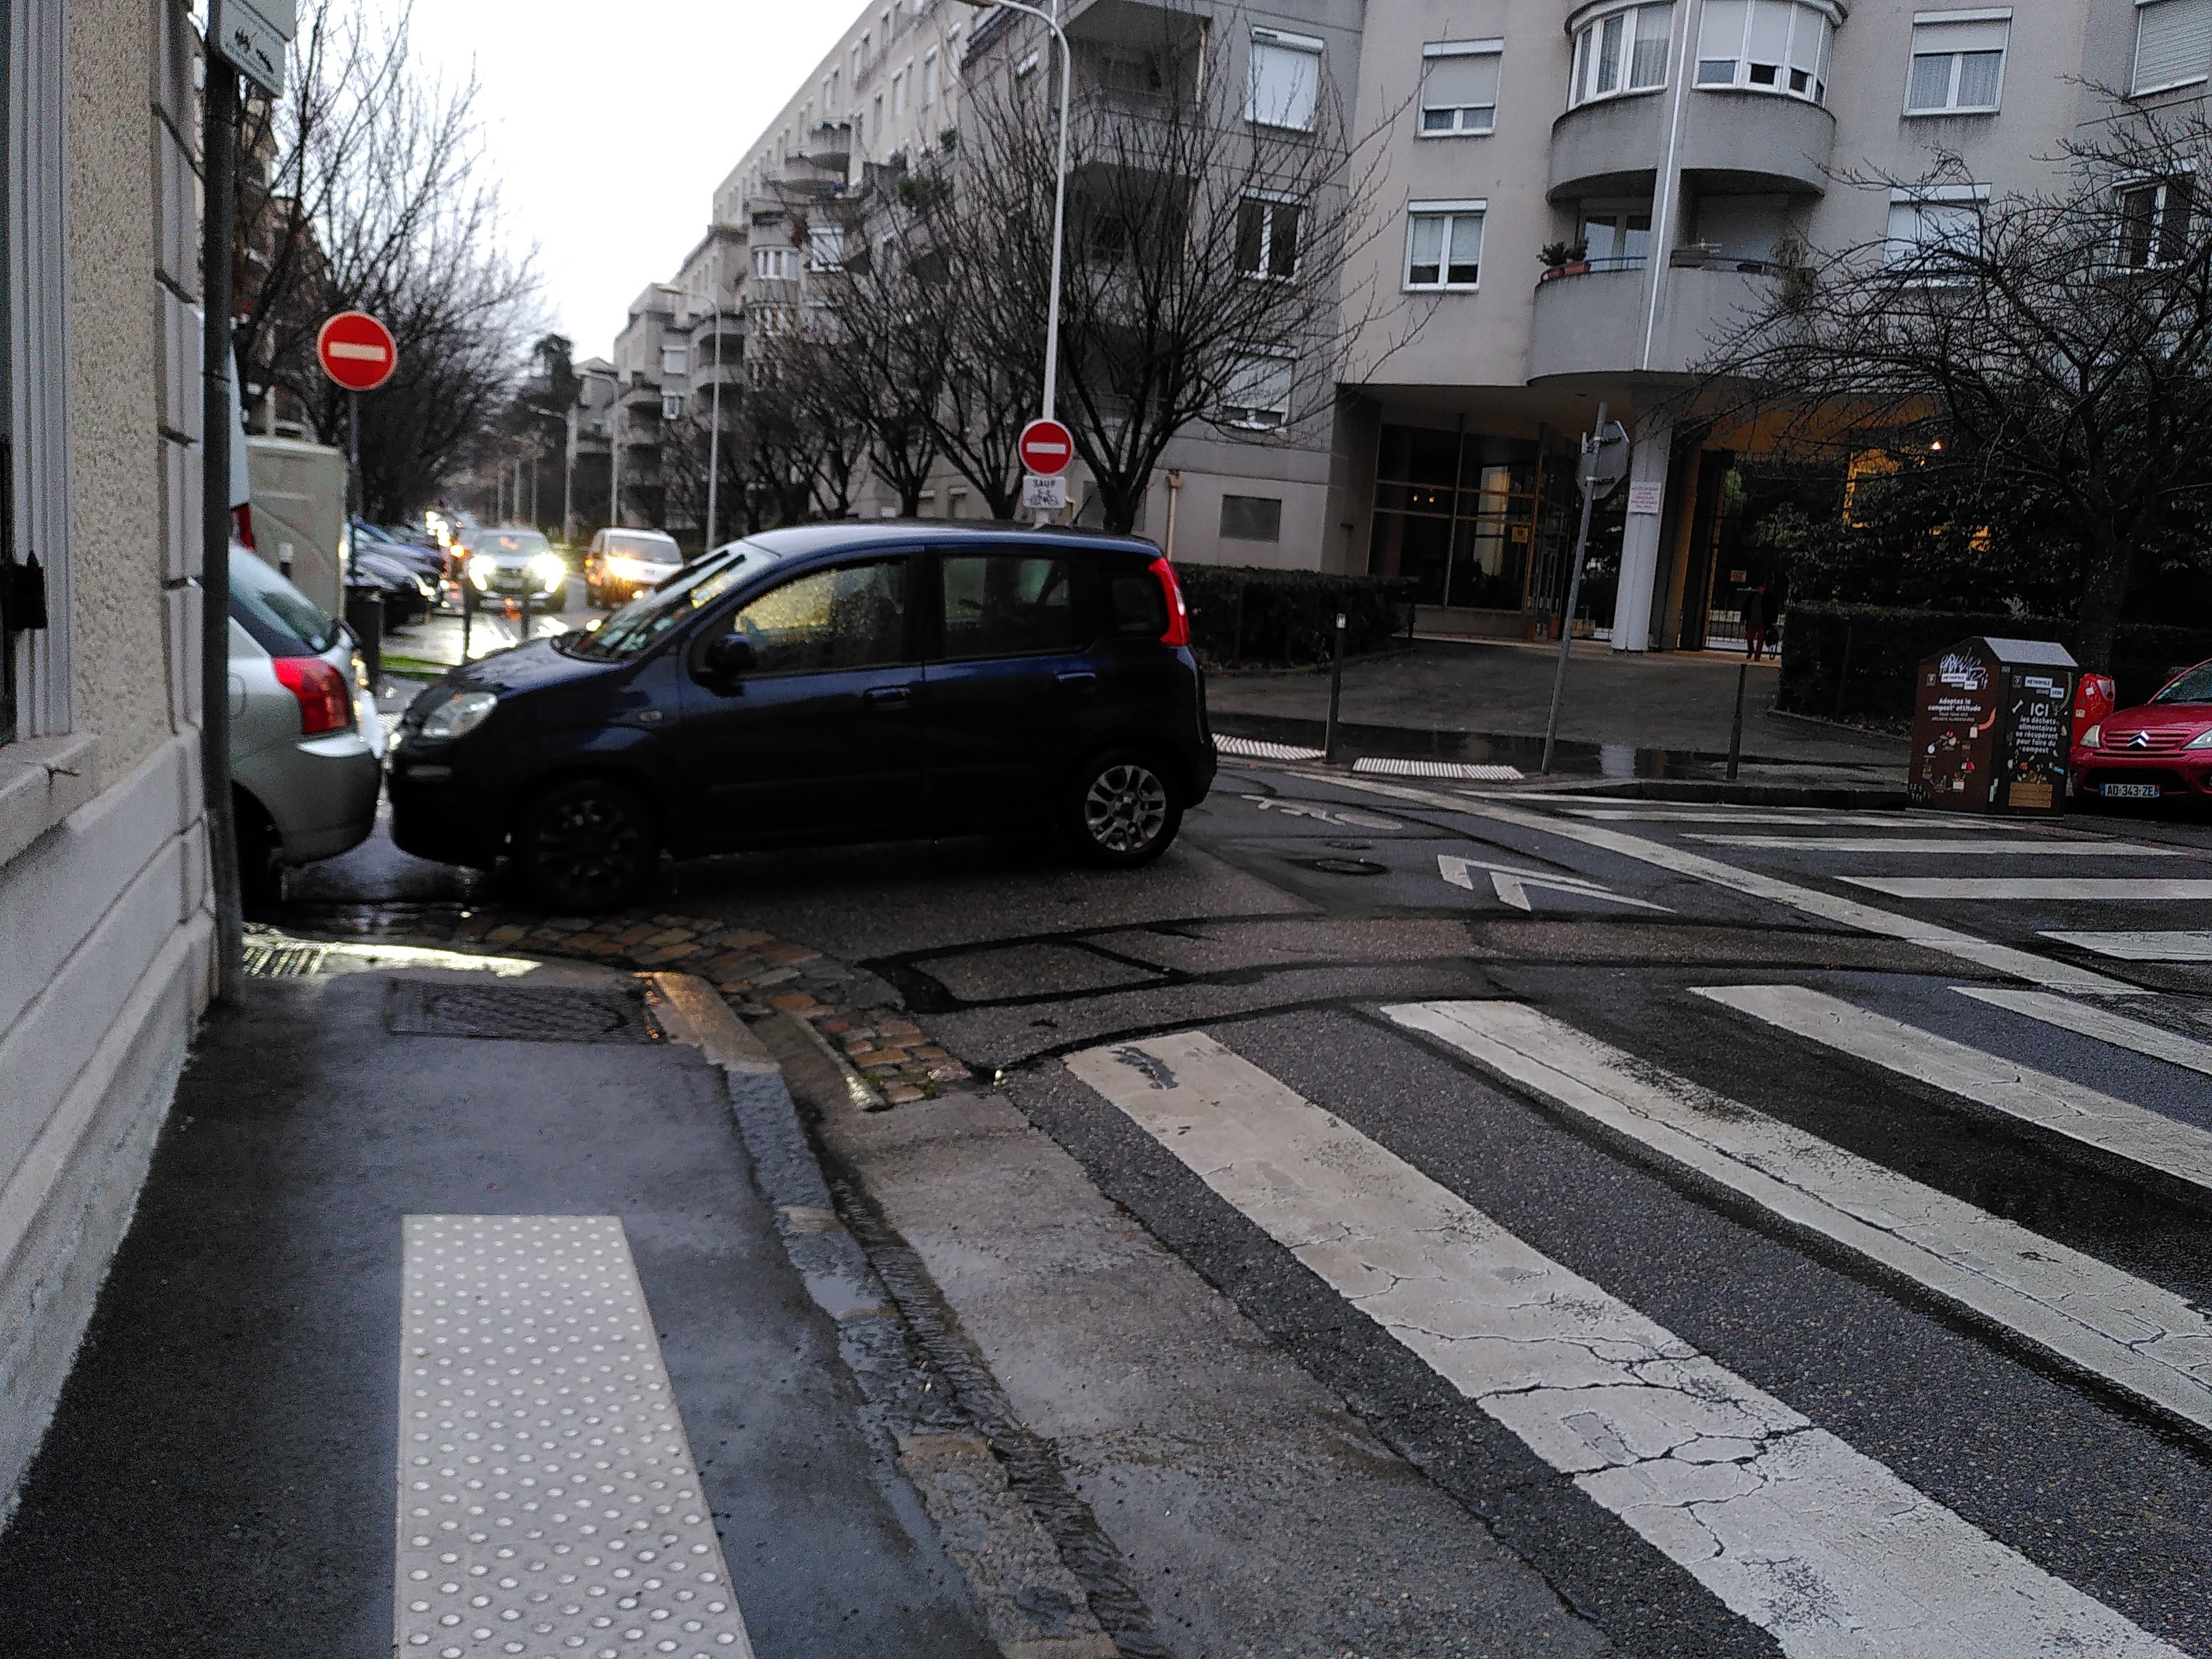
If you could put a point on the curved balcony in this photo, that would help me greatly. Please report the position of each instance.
(1593, 325)
(1731, 141)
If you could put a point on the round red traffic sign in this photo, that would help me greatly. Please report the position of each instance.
(1046, 447)
(357, 351)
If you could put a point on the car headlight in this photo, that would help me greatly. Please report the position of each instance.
(459, 716)
(547, 570)
(629, 569)
(2094, 737)
(2202, 740)
(479, 575)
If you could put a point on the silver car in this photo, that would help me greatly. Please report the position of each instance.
(307, 752)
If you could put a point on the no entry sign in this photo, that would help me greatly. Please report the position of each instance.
(1046, 447)
(357, 351)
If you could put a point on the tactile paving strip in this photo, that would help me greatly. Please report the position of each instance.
(549, 1504)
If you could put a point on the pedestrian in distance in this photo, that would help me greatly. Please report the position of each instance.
(1754, 622)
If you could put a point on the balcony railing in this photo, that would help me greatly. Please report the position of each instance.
(1590, 267)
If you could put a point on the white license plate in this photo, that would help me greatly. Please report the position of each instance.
(2128, 791)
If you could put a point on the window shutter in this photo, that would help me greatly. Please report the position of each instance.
(1463, 82)
(1720, 34)
(1285, 85)
(2173, 43)
(1770, 31)
(1984, 36)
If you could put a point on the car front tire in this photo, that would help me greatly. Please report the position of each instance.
(587, 846)
(1123, 809)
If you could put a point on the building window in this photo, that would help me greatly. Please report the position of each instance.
(1444, 244)
(2173, 44)
(929, 77)
(1936, 229)
(1623, 51)
(775, 263)
(1957, 64)
(825, 248)
(1457, 512)
(674, 358)
(671, 405)
(1459, 87)
(2155, 222)
(898, 90)
(1616, 238)
(1266, 237)
(1766, 46)
(1252, 518)
(1258, 394)
(1283, 89)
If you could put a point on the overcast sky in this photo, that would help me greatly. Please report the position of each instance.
(612, 124)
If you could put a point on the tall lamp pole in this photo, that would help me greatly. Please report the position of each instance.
(714, 433)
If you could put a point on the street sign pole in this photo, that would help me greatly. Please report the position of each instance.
(1592, 451)
(219, 147)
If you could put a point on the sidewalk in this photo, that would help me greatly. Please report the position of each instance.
(219, 1479)
(1625, 714)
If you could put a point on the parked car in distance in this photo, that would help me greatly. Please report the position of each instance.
(825, 683)
(407, 595)
(2158, 748)
(306, 753)
(619, 564)
(507, 562)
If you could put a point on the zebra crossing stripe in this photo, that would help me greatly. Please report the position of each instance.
(2101, 1024)
(2135, 1335)
(2058, 1104)
(1789, 1527)
(2028, 889)
(2038, 849)
(2141, 945)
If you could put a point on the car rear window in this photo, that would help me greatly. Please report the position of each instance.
(508, 544)
(283, 621)
(2194, 686)
(1007, 605)
(1137, 604)
(661, 549)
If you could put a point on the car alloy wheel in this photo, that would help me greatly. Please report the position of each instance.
(588, 846)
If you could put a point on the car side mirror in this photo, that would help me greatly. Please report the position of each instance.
(729, 657)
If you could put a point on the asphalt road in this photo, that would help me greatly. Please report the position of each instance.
(1415, 1219)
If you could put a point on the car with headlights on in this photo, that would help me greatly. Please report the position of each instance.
(506, 561)
(306, 753)
(823, 683)
(2159, 749)
(619, 564)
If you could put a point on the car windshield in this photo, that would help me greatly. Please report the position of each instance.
(286, 622)
(2194, 686)
(649, 615)
(508, 544)
(661, 549)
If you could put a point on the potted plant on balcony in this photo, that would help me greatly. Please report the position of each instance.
(1563, 258)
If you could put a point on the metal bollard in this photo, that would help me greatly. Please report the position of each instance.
(1335, 691)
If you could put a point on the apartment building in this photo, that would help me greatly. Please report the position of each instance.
(1689, 150)
(105, 926)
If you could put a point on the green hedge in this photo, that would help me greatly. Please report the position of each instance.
(1857, 661)
(1244, 617)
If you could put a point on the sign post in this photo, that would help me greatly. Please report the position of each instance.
(1604, 462)
(1045, 448)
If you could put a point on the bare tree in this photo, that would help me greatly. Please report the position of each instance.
(1204, 255)
(365, 187)
(2043, 360)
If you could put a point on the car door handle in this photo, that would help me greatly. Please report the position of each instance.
(891, 695)
(1078, 677)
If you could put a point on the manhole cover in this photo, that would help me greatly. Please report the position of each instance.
(418, 1007)
(1346, 866)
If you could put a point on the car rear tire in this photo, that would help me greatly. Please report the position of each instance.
(587, 846)
(1122, 809)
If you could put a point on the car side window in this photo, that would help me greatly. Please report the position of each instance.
(1007, 605)
(851, 616)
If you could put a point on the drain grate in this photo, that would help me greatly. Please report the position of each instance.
(417, 1007)
(283, 961)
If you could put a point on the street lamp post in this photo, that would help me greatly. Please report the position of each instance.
(1059, 196)
(714, 433)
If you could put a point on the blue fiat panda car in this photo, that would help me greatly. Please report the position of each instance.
(835, 682)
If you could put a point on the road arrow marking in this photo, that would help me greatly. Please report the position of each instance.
(1512, 883)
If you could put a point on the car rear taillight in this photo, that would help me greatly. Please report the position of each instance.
(241, 526)
(1178, 614)
(321, 691)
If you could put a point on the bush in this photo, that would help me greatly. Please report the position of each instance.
(1857, 661)
(1241, 616)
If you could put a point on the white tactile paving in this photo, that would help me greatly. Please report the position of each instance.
(549, 1504)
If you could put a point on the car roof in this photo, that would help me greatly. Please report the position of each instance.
(848, 535)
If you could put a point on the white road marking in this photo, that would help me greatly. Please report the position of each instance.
(2064, 1107)
(1808, 818)
(1829, 906)
(1787, 1525)
(2145, 1338)
(2027, 887)
(2080, 849)
(2140, 946)
(2101, 1024)
(1343, 816)
(548, 1498)
(1511, 883)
